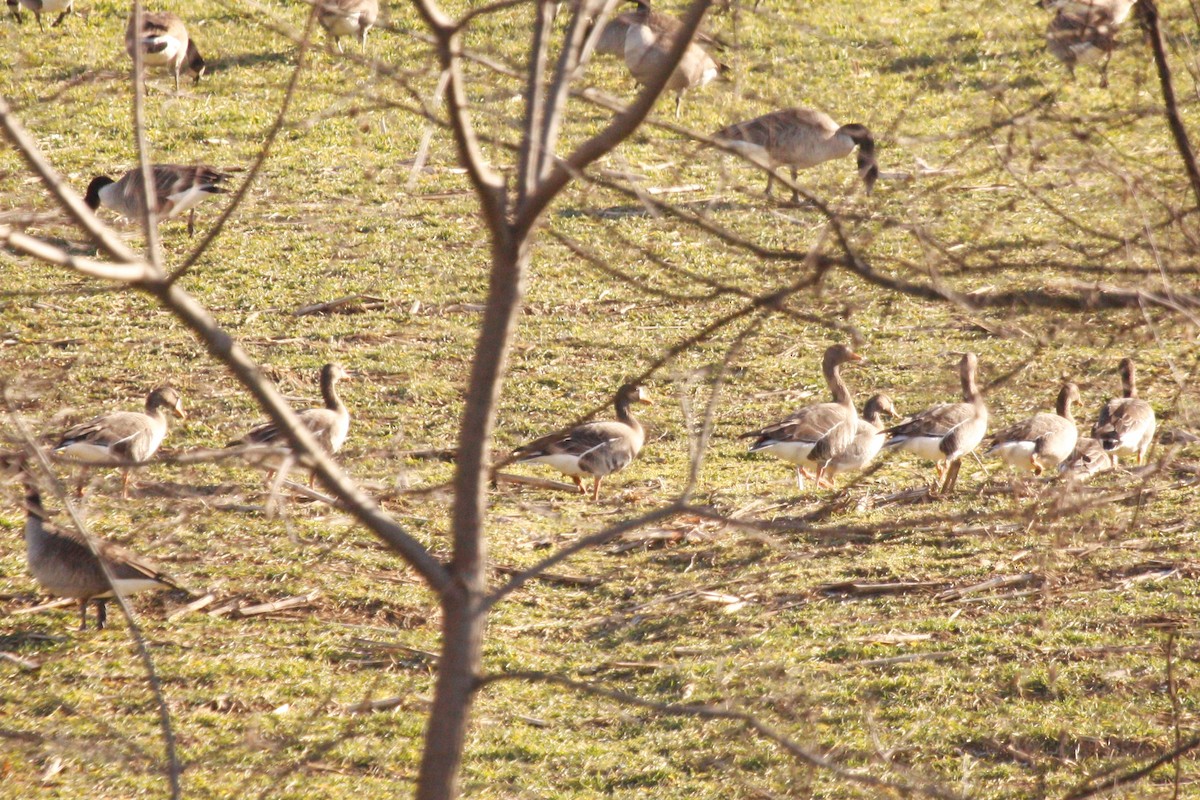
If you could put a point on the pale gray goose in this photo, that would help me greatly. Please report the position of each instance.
(122, 436)
(815, 435)
(329, 426)
(177, 189)
(165, 43)
(64, 565)
(1042, 441)
(348, 18)
(868, 437)
(39, 7)
(1126, 424)
(647, 44)
(801, 138)
(595, 448)
(945, 433)
(1088, 459)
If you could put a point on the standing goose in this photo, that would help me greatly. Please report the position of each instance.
(176, 189)
(65, 566)
(595, 448)
(945, 433)
(348, 18)
(1126, 424)
(868, 437)
(648, 41)
(165, 43)
(1075, 38)
(1117, 10)
(1043, 441)
(1088, 459)
(329, 425)
(122, 436)
(801, 138)
(612, 38)
(39, 7)
(815, 435)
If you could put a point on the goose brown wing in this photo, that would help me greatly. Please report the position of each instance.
(937, 421)
(1030, 430)
(578, 441)
(108, 430)
(809, 424)
(1122, 415)
(70, 548)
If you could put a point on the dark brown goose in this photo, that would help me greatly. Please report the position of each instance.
(1043, 441)
(815, 435)
(62, 563)
(122, 436)
(165, 43)
(177, 189)
(947, 432)
(1126, 424)
(595, 448)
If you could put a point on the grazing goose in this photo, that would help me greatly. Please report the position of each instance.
(176, 189)
(815, 435)
(122, 436)
(329, 425)
(801, 138)
(165, 43)
(649, 39)
(348, 18)
(868, 437)
(594, 448)
(1043, 441)
(947, 432)
(1126, 424)
(1088, 459)
(1080, 39)
(65, 566)
(39, 7)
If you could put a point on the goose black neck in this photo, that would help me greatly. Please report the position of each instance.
(33, 501)
(1129, 378)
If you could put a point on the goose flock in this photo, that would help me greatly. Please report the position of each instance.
(822, 441)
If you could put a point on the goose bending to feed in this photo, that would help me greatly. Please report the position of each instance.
(1126, 424)
(945, 433)
(176, 189)
(595, 448)
(868, 437)
(39, 7)
(64, 565)
(801, 138)
(1043, 441)
(122, 436)
(1075, 38)
(165, 43)
(815, 435)
(329, 425)
(648, 42)
(348, 18)
(1089, 458)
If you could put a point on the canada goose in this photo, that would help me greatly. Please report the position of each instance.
(348, 18)
(165, 43)
(176, 189)
(65, 566)
(1088, 459)
(1117, 10)
(648, 41)
(122, 436)
(39, 7)
(1126, 424)
(868, 437)
(815, 435)
(945, 433)
(1075, 39)
(612, 38)
(1042, 441)
(595, 448)
(329, 425)
(801, 138)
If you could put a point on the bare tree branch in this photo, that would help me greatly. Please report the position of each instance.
(1147, 11)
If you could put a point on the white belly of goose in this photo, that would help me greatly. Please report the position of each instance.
(171, 49)
(88, 452)
(792, 452)
(564, 463)
(1018, 455)
(343, 24)
(926, 447)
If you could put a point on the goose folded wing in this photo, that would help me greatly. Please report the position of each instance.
(110, 430)
(809, 424)
(940, 420)
(578, 442)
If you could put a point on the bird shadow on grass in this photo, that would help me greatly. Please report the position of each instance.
(247, 60)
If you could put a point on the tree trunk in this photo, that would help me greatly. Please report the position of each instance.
(463, 614)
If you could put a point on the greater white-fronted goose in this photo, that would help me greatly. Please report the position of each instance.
(1126, 424)
(39, 7)
(1088, 459)
(868, 437)
(176, 189)
(595, 448)
(122, 436)
(348, 18)
(329, 425)
(801, 138)
(815, 435)
(1043, 441)
(947, 432)
(1083, 38)
(165, 43)
(65, 566)
(648, 41)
